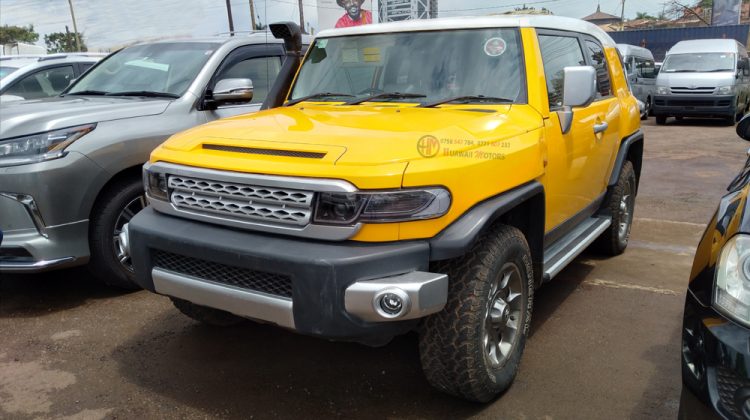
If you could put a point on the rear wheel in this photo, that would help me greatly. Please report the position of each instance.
(206, 315)
(621, 204)
(116, 206)
(661, 119)
(472, 348)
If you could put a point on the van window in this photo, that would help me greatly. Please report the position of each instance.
(558, 52)
(596, 54)
(645, 68)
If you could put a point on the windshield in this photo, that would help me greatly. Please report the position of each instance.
(167, 68)
(4, 71)
(438, 65)
(698, 62)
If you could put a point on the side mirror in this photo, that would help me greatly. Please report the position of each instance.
(233, 90)
(579, 90)
(743, 127)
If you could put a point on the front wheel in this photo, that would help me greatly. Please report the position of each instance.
(110, 263)
(472, 348)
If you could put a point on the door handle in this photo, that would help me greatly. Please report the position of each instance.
(600, 128)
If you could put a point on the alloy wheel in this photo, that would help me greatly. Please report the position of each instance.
(503, 316)
(131, 209)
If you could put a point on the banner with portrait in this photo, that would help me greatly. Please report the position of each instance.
(344, 13)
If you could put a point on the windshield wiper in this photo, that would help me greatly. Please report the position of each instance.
(146, 93)
(86, 92)
(466, 98)
(386, 95)
(317, 95)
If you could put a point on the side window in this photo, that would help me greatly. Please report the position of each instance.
(85, 66)
(646, 68)
(42, 84)
(261, 70)
(558, 52)
(596, 55)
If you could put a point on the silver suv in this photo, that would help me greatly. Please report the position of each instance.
(70, 166)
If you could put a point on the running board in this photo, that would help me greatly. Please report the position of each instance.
(564, 250)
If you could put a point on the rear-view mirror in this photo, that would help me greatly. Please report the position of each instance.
(233, 90)
(579, 90)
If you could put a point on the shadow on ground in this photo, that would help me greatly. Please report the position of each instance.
(31, 295)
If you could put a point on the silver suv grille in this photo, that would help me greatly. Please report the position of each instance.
(242, 202)
(692, 90)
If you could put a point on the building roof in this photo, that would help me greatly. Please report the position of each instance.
(475, 22)
(599, 15)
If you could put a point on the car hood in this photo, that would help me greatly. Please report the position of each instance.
(359, 135)
(39, 115)
(694, 80)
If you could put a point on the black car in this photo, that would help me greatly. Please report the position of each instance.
(716, 321)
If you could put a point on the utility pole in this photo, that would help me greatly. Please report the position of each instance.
(229, 16)
(622, 16)
(75, 27)
(301, 17)
(252, 15)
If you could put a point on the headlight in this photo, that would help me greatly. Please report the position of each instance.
(725, 90)
(732, 285)
(155, 185)
(382, 206)
(40, 147)
(662, 90)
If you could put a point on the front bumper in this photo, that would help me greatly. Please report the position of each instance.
(44, 210)
(679, 105)
(327, 289)
(720, 349)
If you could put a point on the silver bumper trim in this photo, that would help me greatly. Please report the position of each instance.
(421, 293)
(255, 305)
(31, 208)
(21, 266)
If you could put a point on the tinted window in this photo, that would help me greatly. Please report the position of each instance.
(42, 84)
(645, 68)
(436, 64)
(558, 52)
(261, 70)
(596, 55)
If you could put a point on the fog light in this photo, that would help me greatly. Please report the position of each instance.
(392, 303)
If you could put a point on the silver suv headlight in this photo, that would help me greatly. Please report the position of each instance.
(662, 90)
(725, 90)
(732, 285)
(40, 147)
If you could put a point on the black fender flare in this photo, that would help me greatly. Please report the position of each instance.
(632, 141)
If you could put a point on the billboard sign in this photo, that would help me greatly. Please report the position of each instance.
(344, 13)
(726, 12)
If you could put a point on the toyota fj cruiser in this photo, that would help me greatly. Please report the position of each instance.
(425, 175)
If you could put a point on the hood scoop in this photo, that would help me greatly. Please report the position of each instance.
(265, 151)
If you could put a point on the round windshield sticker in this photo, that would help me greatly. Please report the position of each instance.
(494, 47)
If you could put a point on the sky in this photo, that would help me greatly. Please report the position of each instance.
(110, 24)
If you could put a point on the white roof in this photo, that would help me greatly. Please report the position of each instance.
(706, 46)
(627, 49)
(474, 22)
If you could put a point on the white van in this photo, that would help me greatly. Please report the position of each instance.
(703, 78)
(639, 65)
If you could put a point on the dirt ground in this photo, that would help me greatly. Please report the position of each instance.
(604, 342)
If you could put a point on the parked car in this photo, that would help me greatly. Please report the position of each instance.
(639, 65)
(703, 78)
(716, 321)
(71, 165)
(41, 77)
(418, 175)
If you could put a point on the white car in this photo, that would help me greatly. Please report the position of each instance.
(35, 77)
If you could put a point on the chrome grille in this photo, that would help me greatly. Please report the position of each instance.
(242, 202)
(692, 91)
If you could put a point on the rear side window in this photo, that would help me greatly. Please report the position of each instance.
(596, 55)
(558, 52)
(645, 68)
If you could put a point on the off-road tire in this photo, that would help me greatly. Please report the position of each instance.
(206, 315)
(451, 345)
(612, 242)
(104, 264)
(661, 120)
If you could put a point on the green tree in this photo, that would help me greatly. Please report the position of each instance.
(13, 34)
(644, 15)
(58, 42)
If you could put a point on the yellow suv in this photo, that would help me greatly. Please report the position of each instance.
(424, 175)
